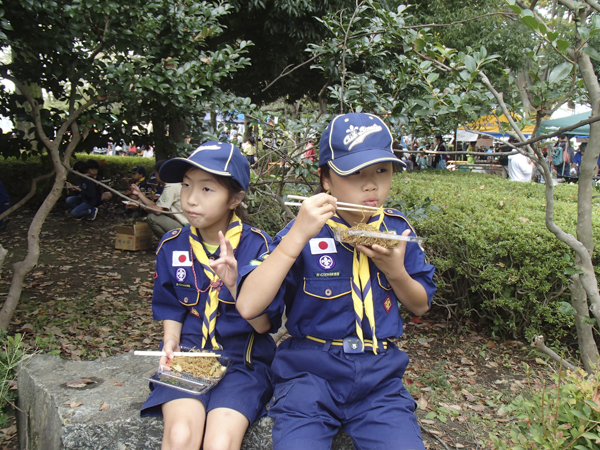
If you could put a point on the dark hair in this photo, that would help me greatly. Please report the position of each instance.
(159, 163)
(92, 164)
(80, 166)
(439, 136)
(233, 188)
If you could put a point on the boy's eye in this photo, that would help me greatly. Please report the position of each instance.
(206, 189)
(382, 170)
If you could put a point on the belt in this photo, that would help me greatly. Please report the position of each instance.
(351, 344)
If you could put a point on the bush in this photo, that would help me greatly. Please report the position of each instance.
(10, 357)
(564, 415)
(495, 259)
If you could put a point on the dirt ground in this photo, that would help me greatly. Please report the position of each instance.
(86, 300)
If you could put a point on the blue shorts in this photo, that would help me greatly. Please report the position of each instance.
(243, 389)
(320, 389)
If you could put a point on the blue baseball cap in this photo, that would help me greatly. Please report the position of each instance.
(354, 141)
(218, 158)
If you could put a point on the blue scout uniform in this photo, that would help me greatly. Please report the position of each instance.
(320, 383)
(180, 294)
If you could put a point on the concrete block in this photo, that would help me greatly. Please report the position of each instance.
(49, 422)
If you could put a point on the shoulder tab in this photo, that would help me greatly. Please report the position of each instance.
(167, 237)
(393, 212)
(262, 234)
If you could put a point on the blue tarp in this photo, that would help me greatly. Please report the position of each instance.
(551, 125)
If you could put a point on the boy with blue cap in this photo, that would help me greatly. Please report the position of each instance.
(340, 368)
(194, 295)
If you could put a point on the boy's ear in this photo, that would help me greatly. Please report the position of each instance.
(324, 181)
(236, 199)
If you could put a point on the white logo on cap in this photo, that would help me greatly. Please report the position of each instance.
(206, 147)
(358, 134)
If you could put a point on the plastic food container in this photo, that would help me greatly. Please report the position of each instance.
(368, 238)
(186, 382)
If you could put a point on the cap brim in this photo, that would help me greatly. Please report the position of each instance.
(352, 163)
(174, 169)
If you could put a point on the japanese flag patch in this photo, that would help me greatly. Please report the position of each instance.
(181, 259)
(318, 246)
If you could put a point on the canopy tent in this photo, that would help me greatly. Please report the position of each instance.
(491, 126)
(551, 125)
(465, 136)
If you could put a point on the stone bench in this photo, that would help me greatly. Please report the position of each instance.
(48, 421)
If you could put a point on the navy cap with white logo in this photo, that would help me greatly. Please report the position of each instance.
(218, 158)
(354, 141)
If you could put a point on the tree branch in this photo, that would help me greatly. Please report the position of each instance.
(538, 342)
(25, 199)
(595, 5)
(137, 202)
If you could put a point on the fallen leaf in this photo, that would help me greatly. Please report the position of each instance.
(502, 412)
(104, 407)
(80, 383)
(482, 187)
(524, 219)
(478, 408)
(73, 404)
(10, 431)
(470, 397)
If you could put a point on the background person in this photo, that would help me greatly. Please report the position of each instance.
(520, 168)
(169, 200)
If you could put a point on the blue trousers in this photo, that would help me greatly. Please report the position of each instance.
(79, 207)
(320, 389)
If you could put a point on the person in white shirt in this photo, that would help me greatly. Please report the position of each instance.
(520, 168)
(169, 200)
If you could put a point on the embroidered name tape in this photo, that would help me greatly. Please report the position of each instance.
(181, 259)
(318, 246)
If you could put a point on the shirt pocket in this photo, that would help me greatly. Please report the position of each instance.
(327, 308)
(187, 296)
(383, 282)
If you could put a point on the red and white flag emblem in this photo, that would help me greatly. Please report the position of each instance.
(319, 246)
(181, 259)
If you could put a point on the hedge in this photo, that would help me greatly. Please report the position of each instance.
(16, 174)
(496, 261)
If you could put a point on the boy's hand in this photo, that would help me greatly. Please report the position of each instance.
(134, 189)
(226, 266)
(170, 345)
(314, 213)
(389, 260)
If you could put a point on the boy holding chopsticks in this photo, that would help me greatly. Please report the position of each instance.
(339, 368)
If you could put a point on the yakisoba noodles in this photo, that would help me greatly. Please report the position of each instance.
(349, 238)
(207, 367)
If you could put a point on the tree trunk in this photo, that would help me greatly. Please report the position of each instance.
(22, 268)
(585, 334)
(161, 143)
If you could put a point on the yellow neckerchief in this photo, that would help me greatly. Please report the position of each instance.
(362, 294)
(140, 180)
(209, 320)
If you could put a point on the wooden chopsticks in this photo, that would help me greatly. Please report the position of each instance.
(341, 205)
(157, 353)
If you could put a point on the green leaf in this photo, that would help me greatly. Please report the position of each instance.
(567, 309)
(515, 8)
(562, 45)
(560, 72)
(552, 35)
(531, 22)
(470, 63)
(572, 271)
(419, 44)
(592, 53)
(432, 77)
